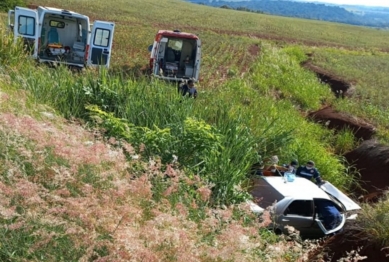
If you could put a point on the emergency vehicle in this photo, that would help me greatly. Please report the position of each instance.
(61, 36)
(175, 56)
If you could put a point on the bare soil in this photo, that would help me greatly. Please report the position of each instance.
(339, 121)
(372, 161)
(350, 245)
(339, 87)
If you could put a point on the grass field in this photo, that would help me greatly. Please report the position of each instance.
(357, 54)
(253, 99)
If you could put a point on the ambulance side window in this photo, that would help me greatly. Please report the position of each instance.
(26, 25)
(101, 37)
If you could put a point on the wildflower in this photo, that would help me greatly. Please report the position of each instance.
(170, 172)
(205, 193)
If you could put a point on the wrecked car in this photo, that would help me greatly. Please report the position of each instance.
(295, 203)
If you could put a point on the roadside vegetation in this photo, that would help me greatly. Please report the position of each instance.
(374, 220)
(5, 5)
(158, 176)
(69, 194)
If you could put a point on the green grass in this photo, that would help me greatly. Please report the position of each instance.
(253, 99)
(262, 116)
(357, 54)
(374, 219)
(367, 71)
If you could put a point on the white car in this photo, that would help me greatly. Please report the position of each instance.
(294, 204)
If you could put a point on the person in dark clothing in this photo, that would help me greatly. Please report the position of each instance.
(189, 89)
(309, 171)
(291, 168)
(328, 213)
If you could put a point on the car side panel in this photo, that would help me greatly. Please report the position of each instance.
(304, 223)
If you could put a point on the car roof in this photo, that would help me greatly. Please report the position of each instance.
(300, 188)
(57, 11)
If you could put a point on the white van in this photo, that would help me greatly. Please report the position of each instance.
(175, 56)
(61, 36)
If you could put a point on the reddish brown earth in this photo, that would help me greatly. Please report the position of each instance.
(372, 161)
(350, 245)
(254, 50)
(339, 121)
(338, 86)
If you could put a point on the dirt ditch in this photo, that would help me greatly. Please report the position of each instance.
(350, 245)
(372, 161)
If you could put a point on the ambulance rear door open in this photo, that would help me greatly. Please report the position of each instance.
(25, 26)
(100, 45)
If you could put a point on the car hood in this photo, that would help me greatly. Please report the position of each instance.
(342, 198)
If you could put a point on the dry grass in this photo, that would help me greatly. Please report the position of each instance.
(66, 195)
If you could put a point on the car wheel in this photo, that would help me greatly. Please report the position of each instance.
(278, 231)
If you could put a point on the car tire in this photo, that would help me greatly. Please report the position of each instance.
(278, 231)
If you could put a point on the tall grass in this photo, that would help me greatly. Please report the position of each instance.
(100, 205)
(226, 49)
(217, 141)
(254, 107)
(345, 141)
(374, 219)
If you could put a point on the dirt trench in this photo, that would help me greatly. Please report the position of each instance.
(372, 161)
(350, 245)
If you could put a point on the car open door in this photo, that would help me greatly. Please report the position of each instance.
(338, 228)
(339, 196)
(100, 45)
(159, 54)
(197, 60)
(25, 26)
(298, 214)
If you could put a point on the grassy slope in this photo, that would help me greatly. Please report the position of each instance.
(136, 26)
(361, 54)
(66, 195)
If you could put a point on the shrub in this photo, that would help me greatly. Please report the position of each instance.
(5, 5)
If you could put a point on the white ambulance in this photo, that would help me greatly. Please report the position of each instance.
(175, 56)
(61, 36)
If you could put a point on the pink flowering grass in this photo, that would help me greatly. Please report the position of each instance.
(66, 194)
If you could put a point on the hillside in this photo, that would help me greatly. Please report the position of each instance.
(67, 195)
(112, 165)
(354, 15)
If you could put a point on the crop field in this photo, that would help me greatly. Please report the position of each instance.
(241, 49)
(232, 40)
(227, 35)
(254, 98)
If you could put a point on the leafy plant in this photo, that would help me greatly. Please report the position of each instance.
(5, 5)
(344, 141)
